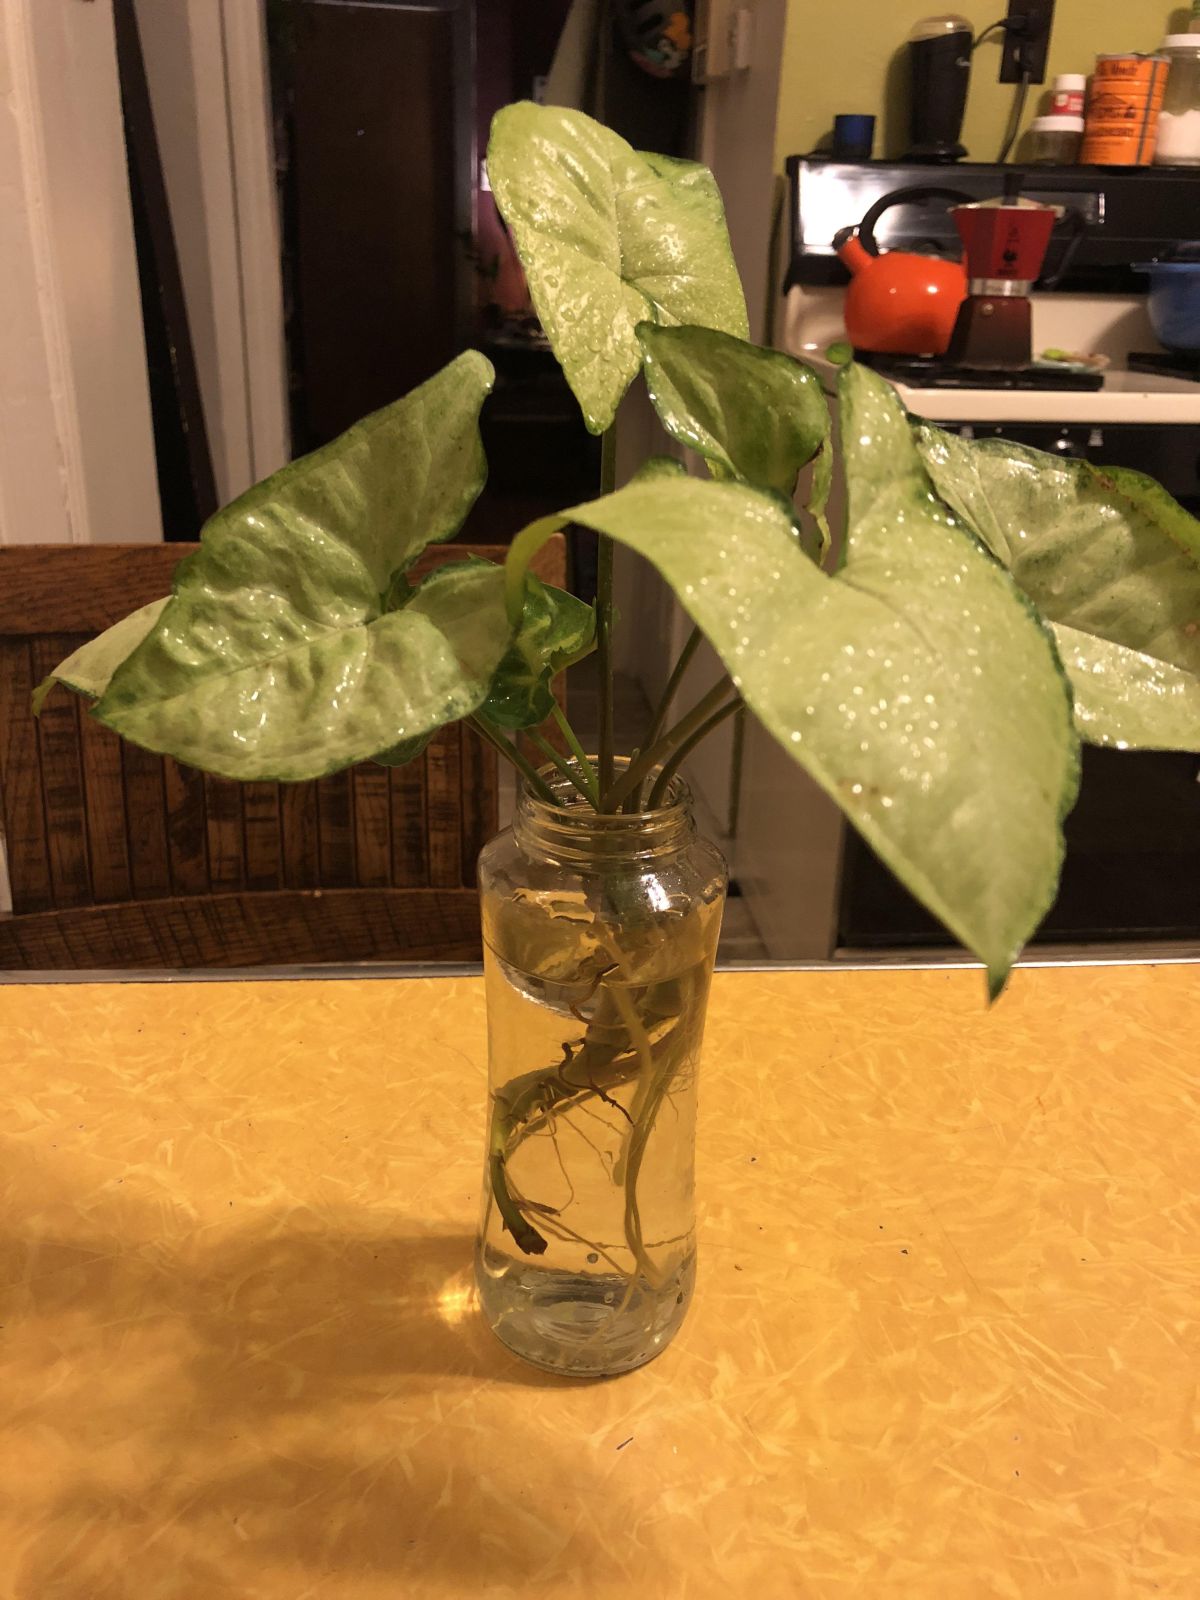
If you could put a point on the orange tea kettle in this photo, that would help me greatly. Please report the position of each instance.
(900, 302)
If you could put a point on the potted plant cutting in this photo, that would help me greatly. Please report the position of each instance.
(988, 607)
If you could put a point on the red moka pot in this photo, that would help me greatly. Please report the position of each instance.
(1005, 243)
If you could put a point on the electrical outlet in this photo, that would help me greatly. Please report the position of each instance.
(1026, 40)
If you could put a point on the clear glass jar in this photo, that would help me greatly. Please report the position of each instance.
(600, 934)
(1178, 142)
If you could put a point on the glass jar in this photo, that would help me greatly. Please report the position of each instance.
(1055, 140)
(599, 934)
(1178, 143)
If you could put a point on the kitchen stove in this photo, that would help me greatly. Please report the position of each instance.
(1132, 870)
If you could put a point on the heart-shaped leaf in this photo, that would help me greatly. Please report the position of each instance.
(1127, 699)
(556, 629)
(608, 238)
(89, 669)
(275, 658)
(753, 414)
(246, 683)
(917, 686)
(1107, 557)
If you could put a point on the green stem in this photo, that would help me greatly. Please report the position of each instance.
(576, 779)
(672, 766)
(511, 754)
(659, 719)
(637, 773)
(577, 750)
(604, 615)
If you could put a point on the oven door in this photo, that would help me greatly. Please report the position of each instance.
(1132, 870)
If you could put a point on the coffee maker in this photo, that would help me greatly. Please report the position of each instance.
(939, 56)
(1005, 240)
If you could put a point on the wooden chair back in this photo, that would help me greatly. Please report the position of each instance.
(119, 858)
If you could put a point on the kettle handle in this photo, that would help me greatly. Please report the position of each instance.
(914, 196)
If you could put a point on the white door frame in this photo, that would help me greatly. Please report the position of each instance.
(206, 64)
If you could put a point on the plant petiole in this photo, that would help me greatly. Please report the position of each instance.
(512, 755)
(576, 779)
(586, 769)
(672, 766)
(637, 773)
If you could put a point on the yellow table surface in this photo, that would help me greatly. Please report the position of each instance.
(945, 1342)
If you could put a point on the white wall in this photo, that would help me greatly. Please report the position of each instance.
(76, 449)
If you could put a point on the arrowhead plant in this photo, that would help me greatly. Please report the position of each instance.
(993, 606)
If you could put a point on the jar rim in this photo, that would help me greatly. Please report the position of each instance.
(570, 829)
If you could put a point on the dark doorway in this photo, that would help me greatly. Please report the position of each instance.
(374, 109)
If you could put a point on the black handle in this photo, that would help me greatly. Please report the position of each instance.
(898, 197)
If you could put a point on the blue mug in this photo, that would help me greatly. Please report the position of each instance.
(853, 138)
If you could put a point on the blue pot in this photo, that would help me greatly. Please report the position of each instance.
(1174, 302)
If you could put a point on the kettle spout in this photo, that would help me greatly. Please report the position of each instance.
(850, 251)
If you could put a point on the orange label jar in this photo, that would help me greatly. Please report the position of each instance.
(1122, 113)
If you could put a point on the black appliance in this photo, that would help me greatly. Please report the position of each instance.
(939, 55)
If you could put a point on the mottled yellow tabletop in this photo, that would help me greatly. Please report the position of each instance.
(946, 1340)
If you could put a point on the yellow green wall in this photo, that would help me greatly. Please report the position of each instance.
(848, 55)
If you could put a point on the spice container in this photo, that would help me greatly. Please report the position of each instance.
(1067, 96)
(1123, 109)
(1179, 121)
(1055, 140)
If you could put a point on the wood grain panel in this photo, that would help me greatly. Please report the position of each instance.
(62, 778)
(187, 828)
(299, 822)
(264, 839)
(81, 588)
(21, 809)
(104, 796)
(372, 827)
(146, 821)
(226, 834)
(410, 847)
(443, 796)
(282, 927)
(335, 822)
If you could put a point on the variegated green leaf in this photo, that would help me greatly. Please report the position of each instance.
(275, 658)
(89, 669)
(1107, 557)
(556, 629)
(753, 414)
(609, 237)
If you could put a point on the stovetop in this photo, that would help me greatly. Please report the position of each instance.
(923, 372)
(1183, 364)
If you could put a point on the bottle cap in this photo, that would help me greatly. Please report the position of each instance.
(1182, 41)
(1076, 80)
